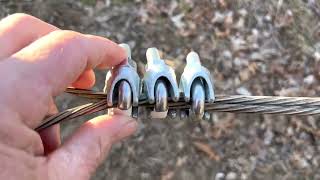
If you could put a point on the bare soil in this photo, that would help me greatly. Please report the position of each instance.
(252, 47)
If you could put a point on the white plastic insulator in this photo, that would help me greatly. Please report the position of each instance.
(152, 55)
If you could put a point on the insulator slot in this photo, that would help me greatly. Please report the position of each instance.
(198, 97)
(161, 95)
(124, 95)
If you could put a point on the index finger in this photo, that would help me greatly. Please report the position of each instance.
(49, 65)
(59, 58)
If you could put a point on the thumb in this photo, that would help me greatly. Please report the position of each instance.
(80, 155)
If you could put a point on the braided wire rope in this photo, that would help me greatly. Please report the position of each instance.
(303, 106)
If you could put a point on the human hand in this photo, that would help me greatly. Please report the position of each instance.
(37, 62)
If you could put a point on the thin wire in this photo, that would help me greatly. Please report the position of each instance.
(304, 106)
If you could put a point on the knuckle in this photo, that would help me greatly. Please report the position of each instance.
(68, 39)
(100, 148)
(29, 142)
(96, 155)
(21, 18)
(35, 146)
(67, 35)
(24, 165)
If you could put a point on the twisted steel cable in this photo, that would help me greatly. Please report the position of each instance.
(304, 106)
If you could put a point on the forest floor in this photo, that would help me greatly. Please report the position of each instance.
(252, 47)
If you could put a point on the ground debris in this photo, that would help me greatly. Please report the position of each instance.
(207, 150)
(251, 47)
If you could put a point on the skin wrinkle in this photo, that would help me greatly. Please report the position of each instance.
(97, 152)
(36, 146)
(74, 41)
(89, 63)
(42, 170)
(13, 153)
(102, 150)
(12, 34)
(70, 45)
(62, 63)
(23, 73)
(47, 80)
(31, 143)
(65, 162)
(40, 92)
(116, 136)
(5, 134)
(51, 136)
(34, 75)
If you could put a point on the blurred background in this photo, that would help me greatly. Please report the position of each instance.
(252, 47)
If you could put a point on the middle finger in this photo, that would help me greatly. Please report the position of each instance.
(18, 31)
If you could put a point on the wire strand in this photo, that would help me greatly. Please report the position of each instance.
(303, 106)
